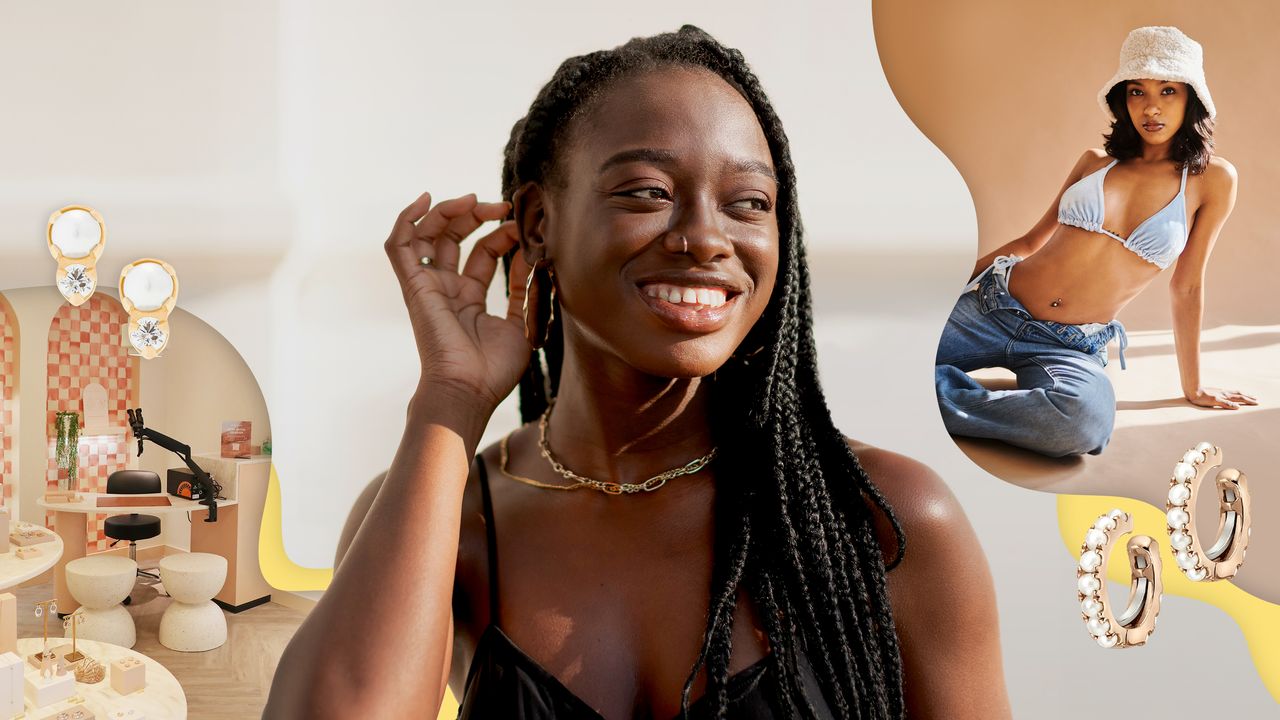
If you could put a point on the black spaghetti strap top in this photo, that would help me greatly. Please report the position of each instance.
(504, 682)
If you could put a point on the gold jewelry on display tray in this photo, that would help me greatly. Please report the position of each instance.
(72, 622)
(610, 488)
(1138, 620)
(1224, 558)
(76, 237)
(149, 292)
(44, 609)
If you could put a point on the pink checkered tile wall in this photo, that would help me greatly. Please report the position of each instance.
(85, 346)
(8, 398)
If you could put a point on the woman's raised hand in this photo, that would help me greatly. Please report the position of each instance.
(466, 353)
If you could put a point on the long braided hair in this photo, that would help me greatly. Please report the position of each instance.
(796, 530)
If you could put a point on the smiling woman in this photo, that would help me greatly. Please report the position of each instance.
(1159, 201)
(687, 534)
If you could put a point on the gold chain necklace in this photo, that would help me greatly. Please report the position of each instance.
(604, 486)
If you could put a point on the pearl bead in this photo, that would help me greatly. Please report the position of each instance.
(1098, 627)
(1183, 472)
(148, 286)
(1205, 447)
(1178, 518)
(1179, 494)
(1192, 457)
(1088, 584)
(1095, 538)
(76, 233)
(1180, 540)
(1117, 513)
(1091, 607)
(1197, 575)
(1090, 561)
(1105, 523)
(1108, 641)
(1186, 560)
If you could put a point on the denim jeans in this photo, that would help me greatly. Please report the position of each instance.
(1063, 405)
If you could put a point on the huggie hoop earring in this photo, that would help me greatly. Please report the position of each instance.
(539, 334)
(1224, 558)
(1133, 626)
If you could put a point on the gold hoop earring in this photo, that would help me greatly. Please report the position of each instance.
(541, 331)
(1223, 559)
(1138, 620)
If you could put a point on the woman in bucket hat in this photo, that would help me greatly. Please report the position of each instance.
(1110, 231)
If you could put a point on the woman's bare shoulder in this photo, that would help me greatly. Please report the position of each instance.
(1220, 174)
(942, 556)
(1094, 159)
(919, 497)
(940, 541)
(1089, 162)
(1095, 155)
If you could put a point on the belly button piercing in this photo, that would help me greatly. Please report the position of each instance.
(1056, 302)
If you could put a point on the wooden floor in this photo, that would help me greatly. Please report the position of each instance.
(230, 682)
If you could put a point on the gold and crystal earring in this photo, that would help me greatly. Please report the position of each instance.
(149, 292)
(1225, 556)
(1135, 624)
(76, 237)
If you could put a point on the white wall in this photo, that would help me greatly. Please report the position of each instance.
(264, 148)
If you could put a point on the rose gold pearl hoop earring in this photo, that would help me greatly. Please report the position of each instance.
(1135, 624)
(1223, 559)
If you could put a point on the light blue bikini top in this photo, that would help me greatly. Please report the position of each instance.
(1159, 239)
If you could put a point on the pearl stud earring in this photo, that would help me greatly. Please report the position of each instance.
(76, 237)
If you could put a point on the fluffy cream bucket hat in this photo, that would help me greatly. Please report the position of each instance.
(1160, 53)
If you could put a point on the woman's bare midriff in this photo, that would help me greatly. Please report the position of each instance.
(1091, 276)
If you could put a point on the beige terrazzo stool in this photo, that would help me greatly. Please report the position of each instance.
(193, 622)
(100, 583)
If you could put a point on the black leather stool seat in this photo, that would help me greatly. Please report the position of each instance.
(131, 527)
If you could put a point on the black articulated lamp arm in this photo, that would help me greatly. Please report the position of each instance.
(208, 488)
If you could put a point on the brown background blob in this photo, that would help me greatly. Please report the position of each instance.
(1007, 90)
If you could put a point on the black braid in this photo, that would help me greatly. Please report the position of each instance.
(797, 537)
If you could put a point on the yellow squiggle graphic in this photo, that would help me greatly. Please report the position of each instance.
(1258, 619)
(279, 571)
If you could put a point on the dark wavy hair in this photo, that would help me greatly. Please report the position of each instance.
(796, 530)
(1192, 145)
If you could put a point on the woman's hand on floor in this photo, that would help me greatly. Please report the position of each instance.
(473, 356)
(1218, 398)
